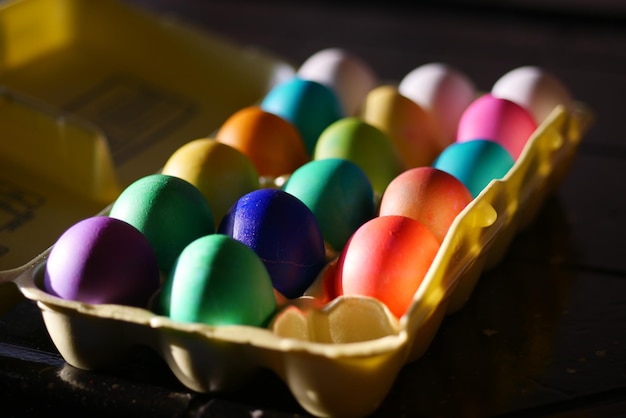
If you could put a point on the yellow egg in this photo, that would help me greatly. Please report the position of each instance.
(222, 173)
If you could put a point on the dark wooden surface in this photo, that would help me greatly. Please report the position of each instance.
(544, 334)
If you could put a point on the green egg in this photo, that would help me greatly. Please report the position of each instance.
(168, 210)
(218, 280)
(339, 194)
(364, 144)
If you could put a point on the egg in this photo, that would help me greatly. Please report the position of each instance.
(102, 260)
(169, 211)
(273, 144)
(285, 234)
(350, 77)
(412, 130)
(221, 172)
(500, 120)
(218, 280)
(310, 106)
(339, 194)
(442, 90)
(475, 163)
(534, 88)
(387, 258)
(430, 195)
(367, 146)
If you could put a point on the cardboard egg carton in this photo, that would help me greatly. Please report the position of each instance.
(338, 358)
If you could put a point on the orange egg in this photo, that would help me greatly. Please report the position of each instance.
(271, 142)
(387, 258)
(427, 194)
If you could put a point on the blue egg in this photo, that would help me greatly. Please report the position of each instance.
(310, 106)
(475, 163)
(283, 231)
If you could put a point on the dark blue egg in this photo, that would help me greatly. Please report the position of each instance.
(285, 234)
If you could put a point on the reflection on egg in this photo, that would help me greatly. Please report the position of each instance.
(349, 76)
(499, 120)
(310, 106)
(221, 172)
(338, 193)
(218, 280)
(443, 91)
(427, 194)
(168, 210)
(283, 231)
(412, 130)
(475, 163)
(102, 260)
(387, 258)
(535, 89)
(370, 148)
(272, 143)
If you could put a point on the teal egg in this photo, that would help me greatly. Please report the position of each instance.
(168, 210)
(339, 194)
(218, 280)
(475, 162)
(310, 106)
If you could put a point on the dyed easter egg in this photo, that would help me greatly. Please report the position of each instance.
(427, 194)
(338, 193)
(169, 211)
(349, 76)
(367, 146)
(499, 120)
(387, 258)
(284, 232)
(310, 106)
(273, 144)
(221, 172)
(443, 91)
(218, 280)
(534, 88)
(475, 163)
(102, 260)
(412, 130)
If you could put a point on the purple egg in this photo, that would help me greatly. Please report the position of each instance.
(283, 231)
(102, 260)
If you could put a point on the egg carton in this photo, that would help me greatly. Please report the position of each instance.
(338, 357)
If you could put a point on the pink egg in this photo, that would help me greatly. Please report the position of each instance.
(387, 258)
(499, 120)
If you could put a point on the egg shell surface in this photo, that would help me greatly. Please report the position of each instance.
(367, 146)
(387, 258)
(412, 130)
(102, 260)
(273, 144)
(534, 88)
(499, 120)
(284, 233)
(339, 194)
(427, 194)
(220, 171)
(310, 106)
(442, 90)
(350, 77)
(218, 280)
(475, 163)
(169, 211)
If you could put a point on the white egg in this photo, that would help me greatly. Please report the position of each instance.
(443, 91)
(349, 76)
(534, 88)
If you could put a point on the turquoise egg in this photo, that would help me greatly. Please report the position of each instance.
(339, 194)
(475, 162)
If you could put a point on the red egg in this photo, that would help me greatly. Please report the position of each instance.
(427, 194)
(387, 258)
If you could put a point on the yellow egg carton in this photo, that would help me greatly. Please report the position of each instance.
(65, 71)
